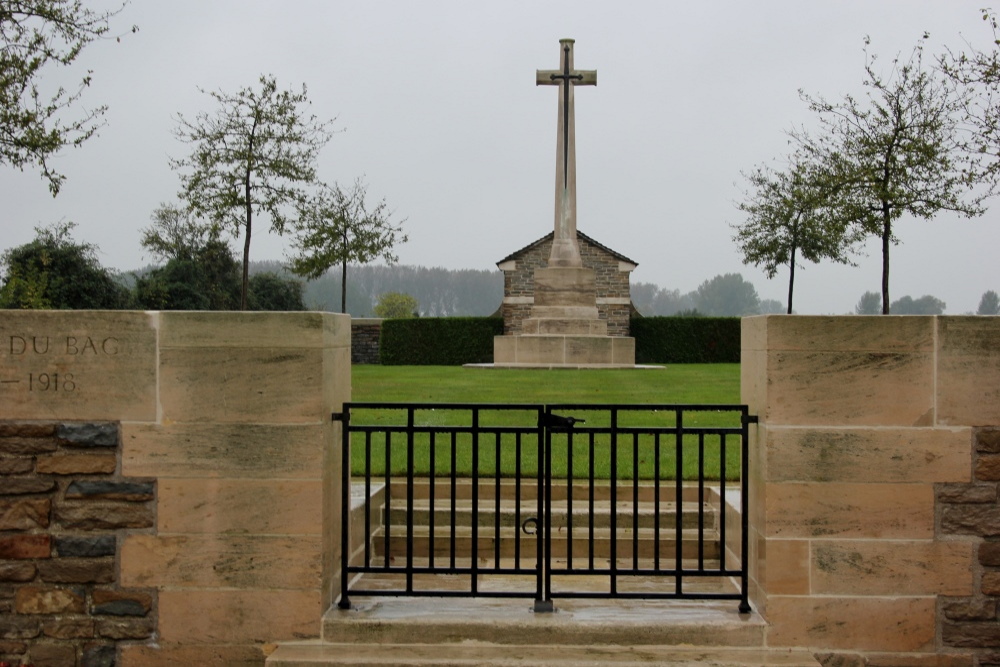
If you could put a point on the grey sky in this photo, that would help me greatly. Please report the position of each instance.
(440, 113)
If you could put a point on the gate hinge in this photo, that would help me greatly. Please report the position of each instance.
(339, 416)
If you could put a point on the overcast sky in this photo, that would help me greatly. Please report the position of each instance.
(438, 110)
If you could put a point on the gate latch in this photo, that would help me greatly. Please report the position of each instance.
(530, 522)
(551, 420)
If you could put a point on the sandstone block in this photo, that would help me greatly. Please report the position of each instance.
(104, 516)
(19, 627)
(967, 493)
(13, 486)
(47, 600)
(24, 513)
(223, 450)
(788, 567)
(89, 435)
(970, 635)
(968, 376)
(869, 455)
(989, 554)
(307, 330)
(988, 468)
(982, 520)
(176, 655)
(206, 616)
(98, 655)
(77, 570)
(63, 463)
(121, 603)
(988, 440)
(222, 561)
(16, 466)
(970, 609)
(25, 546)
(874, 567)
(293, 507)
(85, 547)
(130, 628)
(27, 445)
(26, 430)
(991, 583)
(17, 572)
(110, 490)
(68, 628)
(52, 655)
(850, 510)
(904, 623)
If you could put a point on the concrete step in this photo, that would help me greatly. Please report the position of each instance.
(625, 513)
(496, 655)
(486, 544)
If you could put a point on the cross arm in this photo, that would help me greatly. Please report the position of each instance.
(554, 77)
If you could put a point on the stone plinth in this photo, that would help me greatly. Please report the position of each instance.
(565, 328)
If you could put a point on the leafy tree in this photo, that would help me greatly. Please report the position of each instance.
(269, 291)
(394, 305)
(869, 304)
(727, 295)
(176, 234)
(36, 35)
(649, 299)
(771, 307)
(208, 279)
(786, 219)
(54, 271)
(896, 151)
(925, 305)
(255, 154)
(338, 226)
(989, 304)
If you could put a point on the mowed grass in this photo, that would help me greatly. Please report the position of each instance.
(582, 453)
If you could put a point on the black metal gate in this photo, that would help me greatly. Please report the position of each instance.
(545, 501)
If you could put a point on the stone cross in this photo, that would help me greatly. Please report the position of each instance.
(565, 250)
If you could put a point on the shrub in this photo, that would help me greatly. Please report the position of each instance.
(686, 340)
(438, 341)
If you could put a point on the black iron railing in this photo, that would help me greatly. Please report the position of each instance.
(524, 500)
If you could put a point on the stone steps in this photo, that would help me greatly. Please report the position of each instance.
(495, 655)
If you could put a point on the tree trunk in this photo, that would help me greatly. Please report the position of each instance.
(249, 212)
(791, 279)
(343, 277)
(886, 235)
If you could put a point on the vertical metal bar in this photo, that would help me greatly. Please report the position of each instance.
(517, 500)
(613, 588)
(431, 498)
(475, 503)
(701, 501)
(368, 498)
(410, 441)
(496, 509)
(543, 602)
(345, 507)
(635, 502)
(569, 499)
(454, 508)
(387, 524)
(590, 504)
(679, 501)
(722, 501)
(744, 607)
(656, 501)
(547, 517)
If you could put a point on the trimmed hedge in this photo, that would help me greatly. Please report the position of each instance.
(686, 340)
(438, 341)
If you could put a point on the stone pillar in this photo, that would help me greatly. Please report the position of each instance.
(228, 416)
(868, 424)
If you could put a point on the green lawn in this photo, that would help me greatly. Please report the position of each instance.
(679, 384)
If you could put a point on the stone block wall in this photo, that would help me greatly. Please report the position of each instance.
(365, 333)
(611, 272)
(65, 509)
(228, 455)
(873, 486)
